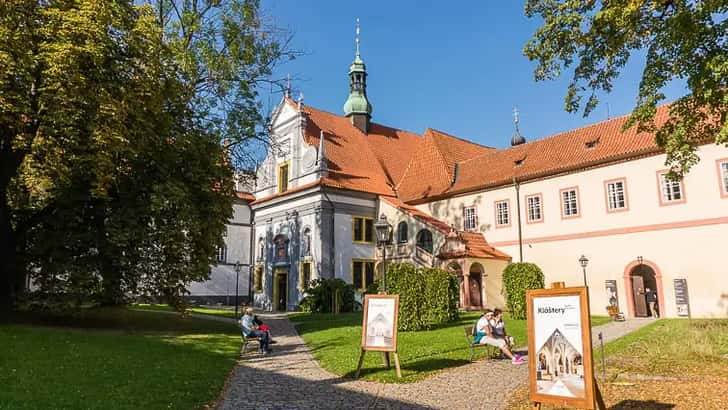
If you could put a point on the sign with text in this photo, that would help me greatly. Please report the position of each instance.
(611, 286)
(682, 301)
(559, 335)
(379, 325)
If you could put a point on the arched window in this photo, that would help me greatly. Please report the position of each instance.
(261, 249)
(402, 236)
(306, 242)
(424, 240)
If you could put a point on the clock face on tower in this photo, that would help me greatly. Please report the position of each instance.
(309, 158)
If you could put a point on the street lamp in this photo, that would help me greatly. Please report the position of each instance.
(583, 261)
(237, 280)
(384, 232)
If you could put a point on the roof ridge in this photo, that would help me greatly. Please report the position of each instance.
(460, 139)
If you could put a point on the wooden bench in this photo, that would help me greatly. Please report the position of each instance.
(490, 350)
(249, 339)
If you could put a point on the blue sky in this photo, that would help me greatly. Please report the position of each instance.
(453, 66)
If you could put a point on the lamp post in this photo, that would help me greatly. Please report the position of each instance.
(384, 231)
(583, 261)
(237, 281)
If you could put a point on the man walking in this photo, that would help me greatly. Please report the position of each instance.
(651, 298)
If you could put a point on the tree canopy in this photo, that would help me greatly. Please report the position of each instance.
(683, 40)
(118, 121)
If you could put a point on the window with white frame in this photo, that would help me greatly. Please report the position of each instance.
(616, 195)
(470, 218)
(502, 215)
(570, 203)
(723, 167)
(533, 207)
(222, 254)
(671, 191)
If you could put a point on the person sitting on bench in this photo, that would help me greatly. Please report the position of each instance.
(485, 335)
(249, 328)
(499, 327)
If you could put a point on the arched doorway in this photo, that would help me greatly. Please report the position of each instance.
(476, 285)
(639, 276)
(456, 270)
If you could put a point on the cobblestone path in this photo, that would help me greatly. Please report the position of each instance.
(290, 378)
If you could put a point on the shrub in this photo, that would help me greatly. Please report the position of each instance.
(517, 278)
(426, 296)
(320, 296)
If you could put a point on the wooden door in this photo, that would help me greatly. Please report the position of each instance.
(281, 292)
(475, 290)
(638, 295)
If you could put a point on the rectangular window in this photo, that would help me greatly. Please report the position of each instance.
(306, 268)
(222, 254)
(502, 216)
(362, 274)
(283, 176)
(723, 176)
(258, 279)
(671, 192)
(362, 229)
(569, 203)
(616, 191)
(534, 208)
(470, 218)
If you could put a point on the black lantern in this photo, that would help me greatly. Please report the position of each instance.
(384, 232)
(583, 261)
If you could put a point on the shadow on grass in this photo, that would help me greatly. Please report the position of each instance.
(642, 404)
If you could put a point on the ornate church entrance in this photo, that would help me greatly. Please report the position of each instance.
(280, 290)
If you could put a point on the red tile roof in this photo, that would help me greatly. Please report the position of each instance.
(245, 196)
(419, 215)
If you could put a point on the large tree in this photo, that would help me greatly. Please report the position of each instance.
(113, 175)
(683, 40)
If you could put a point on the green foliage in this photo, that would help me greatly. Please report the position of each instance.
(114, 181)
(598, 38)
(321, 293)
(517, 278)
(427, 297)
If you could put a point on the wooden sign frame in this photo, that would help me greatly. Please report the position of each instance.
(590, 388)
(384, 349)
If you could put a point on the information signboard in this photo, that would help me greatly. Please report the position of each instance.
(559, 334)
(682, 300)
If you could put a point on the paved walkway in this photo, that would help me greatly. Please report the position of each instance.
(290, 378)
(615, 330)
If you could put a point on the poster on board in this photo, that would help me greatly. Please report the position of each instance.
(559, 332)
(379, 327)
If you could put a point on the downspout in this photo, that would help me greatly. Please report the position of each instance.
(251, 260)
(518, 212)
(333, 230)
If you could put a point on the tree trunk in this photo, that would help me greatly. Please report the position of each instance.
(112, 294)
(8, 261)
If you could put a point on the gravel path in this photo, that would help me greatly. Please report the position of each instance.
(290, 378)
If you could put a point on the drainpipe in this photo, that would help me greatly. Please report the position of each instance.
(518, 212)
(333, 231)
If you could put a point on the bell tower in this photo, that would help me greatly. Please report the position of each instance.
(357, 107)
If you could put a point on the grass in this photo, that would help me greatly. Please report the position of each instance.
(671, 347)
(335, 342)
(200, 310)
(114, 359)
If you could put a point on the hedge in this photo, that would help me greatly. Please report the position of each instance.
(517, 278)
(320, 296)
(427, 296)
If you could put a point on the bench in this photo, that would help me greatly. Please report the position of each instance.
(249, 339)
(490, 351)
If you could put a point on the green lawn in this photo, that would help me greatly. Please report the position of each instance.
(149, 360)
(671, 347)
(204, 311)
(335, 342)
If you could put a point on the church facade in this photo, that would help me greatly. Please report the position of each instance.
(471, 209)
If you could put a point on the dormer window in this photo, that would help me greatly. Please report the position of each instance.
(591, 144)
(518, 162)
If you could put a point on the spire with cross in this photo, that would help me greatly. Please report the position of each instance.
(517, 138)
